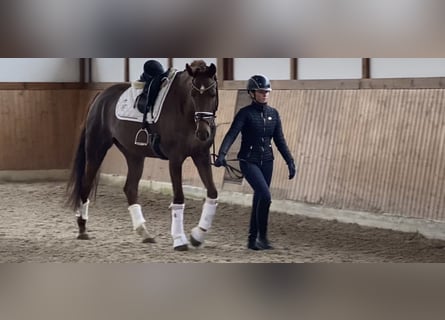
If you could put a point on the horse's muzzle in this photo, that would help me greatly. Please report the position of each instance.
(205, 122)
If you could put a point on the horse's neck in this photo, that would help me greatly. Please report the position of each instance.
(184, 87)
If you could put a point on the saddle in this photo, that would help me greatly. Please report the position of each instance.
(152, 80)
(152, 84)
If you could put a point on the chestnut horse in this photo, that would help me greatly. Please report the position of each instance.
(186, 128)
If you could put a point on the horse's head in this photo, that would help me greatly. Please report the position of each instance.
(204, 94)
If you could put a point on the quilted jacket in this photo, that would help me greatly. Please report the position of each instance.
(258, 124)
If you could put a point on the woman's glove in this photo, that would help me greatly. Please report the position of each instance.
(292, 169)
(220, 160)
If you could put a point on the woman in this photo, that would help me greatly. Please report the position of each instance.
(258, 124)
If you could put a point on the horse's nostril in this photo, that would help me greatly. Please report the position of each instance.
(202, 135)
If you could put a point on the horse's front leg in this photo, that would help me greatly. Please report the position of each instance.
(180, 242)
(135, 169)
(202, 163)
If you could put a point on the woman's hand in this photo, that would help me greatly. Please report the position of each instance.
(292, 169)
(221, 161)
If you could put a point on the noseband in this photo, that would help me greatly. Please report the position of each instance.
(209, 117)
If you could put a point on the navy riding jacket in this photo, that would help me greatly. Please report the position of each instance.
(258, 124)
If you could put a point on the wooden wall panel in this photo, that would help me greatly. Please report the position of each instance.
(373, 150)
(376, 150)
(39, 128)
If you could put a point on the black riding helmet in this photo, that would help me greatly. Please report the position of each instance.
(258, 82)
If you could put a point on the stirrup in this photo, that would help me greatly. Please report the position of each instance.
(142, 137)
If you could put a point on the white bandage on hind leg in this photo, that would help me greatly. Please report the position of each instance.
(177, 229)
(83, 210)
(136, 215)
(208, 213)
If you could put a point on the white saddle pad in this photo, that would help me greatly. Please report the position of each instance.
(125, 109)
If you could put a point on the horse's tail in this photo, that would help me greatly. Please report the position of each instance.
(74, 186)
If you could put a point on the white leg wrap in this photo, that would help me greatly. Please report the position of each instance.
(208, 213)
(136, 215)
(205, 222)
(83, 210)
(177, 229)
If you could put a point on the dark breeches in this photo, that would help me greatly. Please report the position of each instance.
(259, 178)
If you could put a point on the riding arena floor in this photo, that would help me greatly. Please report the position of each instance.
(36, 226)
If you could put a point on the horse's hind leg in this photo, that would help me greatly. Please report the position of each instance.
(135, 169)
(199, 232)
(94, 158)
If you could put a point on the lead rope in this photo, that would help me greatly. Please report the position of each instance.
(231, 170)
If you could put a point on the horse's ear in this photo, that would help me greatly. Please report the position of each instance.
(212, 70)
(189, 70)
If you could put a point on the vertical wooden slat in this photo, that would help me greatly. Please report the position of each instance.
(400, 122)
(418, 147)
(354, 167)
(387, 150)
(294, 68)
(366, 68)
(428, 157)
(380, 148)
(307, 149)
(82, 70)
(228, 69)
(126, 69)
(438, 166)
(220, 69)
(90, 70)
(325, 136)
(334, 143)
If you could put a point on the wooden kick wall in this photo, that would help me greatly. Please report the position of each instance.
(39, 128)
(376, 150)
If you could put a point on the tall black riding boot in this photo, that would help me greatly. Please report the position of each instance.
(263, 218)
(253, 229)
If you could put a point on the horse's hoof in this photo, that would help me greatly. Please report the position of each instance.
(197, 236)
(146, 238)
(149, 240)
(184, 247)
(83, 236)
(195, 242)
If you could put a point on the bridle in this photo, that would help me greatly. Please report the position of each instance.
(206, 116)
(209, 117)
